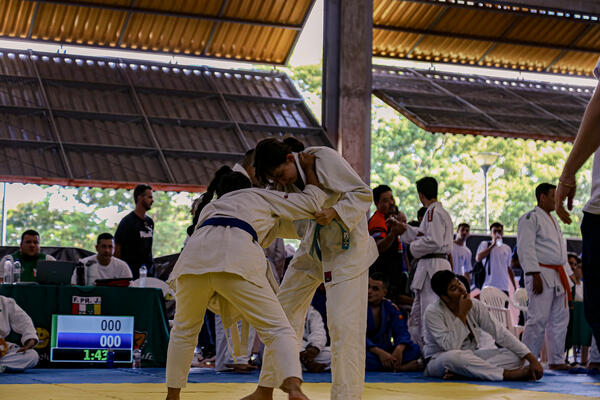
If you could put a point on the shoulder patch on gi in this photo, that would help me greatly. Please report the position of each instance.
(430, 215)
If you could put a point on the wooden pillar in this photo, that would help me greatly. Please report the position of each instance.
(347, 52)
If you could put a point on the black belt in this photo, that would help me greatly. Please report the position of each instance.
(434, 255)
(233, 222)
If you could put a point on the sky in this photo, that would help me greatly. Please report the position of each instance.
(308, 51)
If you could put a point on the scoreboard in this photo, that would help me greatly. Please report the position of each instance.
(89, 338)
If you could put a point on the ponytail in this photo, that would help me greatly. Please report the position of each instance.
(270, 153)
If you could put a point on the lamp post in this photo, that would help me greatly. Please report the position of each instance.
(485, 161)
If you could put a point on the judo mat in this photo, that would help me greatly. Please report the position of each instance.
(148, 384)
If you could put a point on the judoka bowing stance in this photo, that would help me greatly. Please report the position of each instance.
(453, 326)
(430, 243)
(14, 318)
(543, 255)
(224, 259)
(336, 249)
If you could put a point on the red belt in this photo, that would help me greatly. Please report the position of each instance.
(564, 280)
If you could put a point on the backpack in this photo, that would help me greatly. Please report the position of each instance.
(480, 271)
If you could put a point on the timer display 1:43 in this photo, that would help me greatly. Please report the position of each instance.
(95, 355)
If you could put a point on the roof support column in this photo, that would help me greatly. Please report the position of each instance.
(347, 52)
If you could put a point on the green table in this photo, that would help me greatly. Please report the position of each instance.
(146, 305)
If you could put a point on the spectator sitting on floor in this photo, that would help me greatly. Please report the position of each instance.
(453, 327)
(103, 265)
(389, 347)
(13, 356)
(315, 356)
(28, 255)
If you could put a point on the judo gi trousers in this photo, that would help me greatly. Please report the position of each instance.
(347, 322)
(423, 298)
(590, 263)
(222, 353)
(547, 316)
(258, 306)
(487, 365)
(22, 360)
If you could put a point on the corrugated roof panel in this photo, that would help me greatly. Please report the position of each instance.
(403, 13)
(393, 44)
(144, 125)
(281, 11)
(482, 105)
(529, 58)
(575, 62)
(472, 21)
(433, 48)
(32, 162)
(14, 18)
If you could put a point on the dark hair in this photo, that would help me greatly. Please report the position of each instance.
(421, 212)
(104, 236)
(440, 281)
(464, 281)
(248, 159)
(416, 224)
(270, 153)
(496, 225)
(463, 224)
(378, 191)
(428, 187)
(543, 188)
(378, 276)
(29, 232)
(139, 190)
(224, 181)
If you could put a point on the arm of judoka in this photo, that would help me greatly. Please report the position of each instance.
(410, 234)
(526, 233)
(432, 241)
(296, 206)
(21, 323)
(501, 335)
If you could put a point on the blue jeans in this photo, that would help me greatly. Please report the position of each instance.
(590, 231)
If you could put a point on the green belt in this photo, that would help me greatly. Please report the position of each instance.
(315, 248)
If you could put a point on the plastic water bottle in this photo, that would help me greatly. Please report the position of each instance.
(17, 272)
(8, 272)
(137, 359)
(143, 275)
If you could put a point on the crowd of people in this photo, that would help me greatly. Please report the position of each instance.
(359, 294)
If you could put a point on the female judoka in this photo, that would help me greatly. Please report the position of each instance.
(336, 249)
(223, 259)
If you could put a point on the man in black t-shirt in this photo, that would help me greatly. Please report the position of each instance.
(133, 239)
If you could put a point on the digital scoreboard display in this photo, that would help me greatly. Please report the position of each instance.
(90, 338)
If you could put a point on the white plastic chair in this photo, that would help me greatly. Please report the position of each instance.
(497, 303)
(157, 283)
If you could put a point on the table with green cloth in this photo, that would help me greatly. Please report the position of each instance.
(146, 305)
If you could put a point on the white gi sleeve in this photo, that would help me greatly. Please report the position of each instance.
(316, 335)
(447, 337)
(500, 334)
(337, 175)
(410, 234)
(295, 206)
(526, 233)
(433, 240)
(19, 321)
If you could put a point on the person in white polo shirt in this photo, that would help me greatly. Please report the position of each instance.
(496, 257)
(103, 265)
(461, 254)
(586, 143)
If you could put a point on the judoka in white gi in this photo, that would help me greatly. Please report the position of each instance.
(14, 318)
(223, 261)
(453, 328)
(315, 355)
(430, 243)
(335, 249)
(543, 255)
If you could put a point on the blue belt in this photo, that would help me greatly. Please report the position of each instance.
(233, 222)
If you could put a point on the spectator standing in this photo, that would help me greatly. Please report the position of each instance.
(461, 254)
(579, 334)
(385, 228)
(103, 265)
(496, 258)
(134, 235)
(29, 254)
(389, 347)
(543, 256)
(431, 244)
(453, 328)
(586, 143)
(13, 318)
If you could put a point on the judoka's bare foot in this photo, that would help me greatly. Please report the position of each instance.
(412, 366)
(173, 393)
(559, 367)
(315, 367)
(519, 374)
(292, 387)
(452, 376)
(261, 393)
